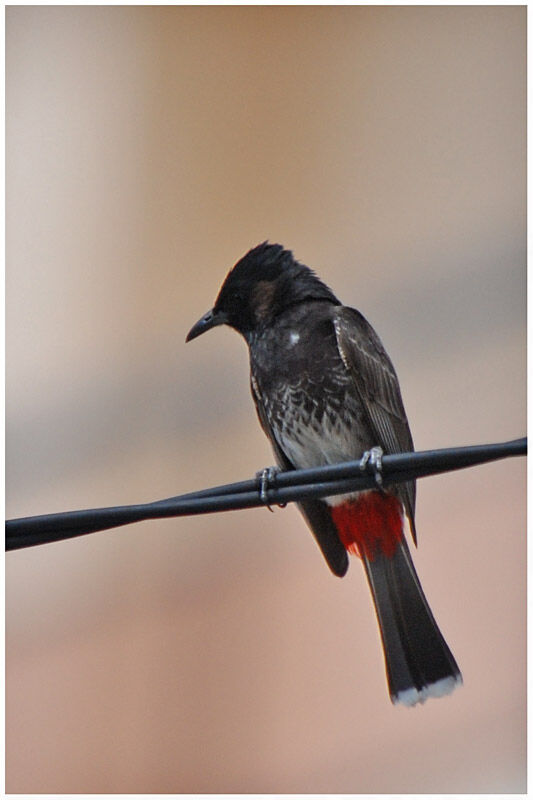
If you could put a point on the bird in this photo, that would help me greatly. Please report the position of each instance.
(325, 391)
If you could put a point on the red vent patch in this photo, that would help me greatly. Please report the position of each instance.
(370, 524)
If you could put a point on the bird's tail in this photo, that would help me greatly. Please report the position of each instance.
(419, 662)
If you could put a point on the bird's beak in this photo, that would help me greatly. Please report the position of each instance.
(209, 320)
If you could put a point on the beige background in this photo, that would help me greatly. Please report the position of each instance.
(147, 150)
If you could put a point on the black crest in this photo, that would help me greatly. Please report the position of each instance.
(265, 282)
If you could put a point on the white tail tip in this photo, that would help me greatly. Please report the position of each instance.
(412, 696)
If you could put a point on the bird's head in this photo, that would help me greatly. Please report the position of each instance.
(263, 284)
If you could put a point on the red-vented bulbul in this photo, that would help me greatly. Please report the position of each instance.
(325, 392)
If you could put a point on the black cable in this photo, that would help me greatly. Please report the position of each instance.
(285, 487)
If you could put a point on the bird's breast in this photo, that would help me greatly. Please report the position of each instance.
(308, 396)
(316, 424)
(313, 410)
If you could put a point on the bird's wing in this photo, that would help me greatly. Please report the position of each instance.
(379, 390)
(316, 512)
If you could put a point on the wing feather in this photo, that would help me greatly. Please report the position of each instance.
(376, 381)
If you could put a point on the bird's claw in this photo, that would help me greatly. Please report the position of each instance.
(267, 477)
(373, 459)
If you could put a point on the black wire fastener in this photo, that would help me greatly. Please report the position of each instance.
(282, 488)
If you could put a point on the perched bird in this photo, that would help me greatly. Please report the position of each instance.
(325, 392)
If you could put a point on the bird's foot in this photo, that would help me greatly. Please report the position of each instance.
(372, 461)
(267, 479)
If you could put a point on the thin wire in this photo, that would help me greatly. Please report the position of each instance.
(284, 487)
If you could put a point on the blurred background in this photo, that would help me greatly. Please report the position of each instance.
(148, 148)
